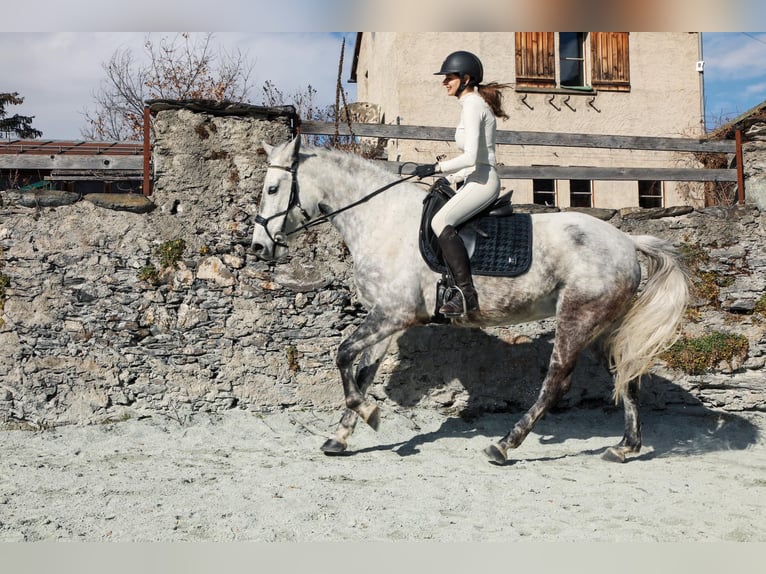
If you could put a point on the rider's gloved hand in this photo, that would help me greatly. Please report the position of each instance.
(425, 170)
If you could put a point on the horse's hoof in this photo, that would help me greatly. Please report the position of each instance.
(333, 446)
(613, 454)
(370, 414)
(496, 454)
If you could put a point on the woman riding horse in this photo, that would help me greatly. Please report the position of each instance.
(473, 171)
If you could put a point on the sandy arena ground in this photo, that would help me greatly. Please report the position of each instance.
(245, 476)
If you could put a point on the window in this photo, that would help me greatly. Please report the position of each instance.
(650, 194)
(544, 192)
(580, 193)
(571, 61)
(559, 60)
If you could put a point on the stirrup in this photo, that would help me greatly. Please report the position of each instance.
(457, 299)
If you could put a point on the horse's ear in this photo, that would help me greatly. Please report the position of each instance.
(296, 145)
(267, 148)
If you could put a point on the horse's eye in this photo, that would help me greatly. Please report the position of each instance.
(272, 189)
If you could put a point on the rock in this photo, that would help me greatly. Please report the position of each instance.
(121, 202)
(534, 208)
(603, 214)
(756, 131)
(741, 306)
(44, 198)
(303, 278)
(642, 213)
(212, 268)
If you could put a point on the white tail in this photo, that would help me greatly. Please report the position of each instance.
(651, 324)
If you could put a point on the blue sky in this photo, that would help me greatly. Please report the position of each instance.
(58, 72)
(735, 73)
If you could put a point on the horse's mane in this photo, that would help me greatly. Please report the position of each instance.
(350, 177)
(351, 162)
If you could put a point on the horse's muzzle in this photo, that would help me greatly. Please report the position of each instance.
(259, 249)
(268, 250)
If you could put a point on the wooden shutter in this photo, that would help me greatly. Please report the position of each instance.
(610, 62)
(535, 59)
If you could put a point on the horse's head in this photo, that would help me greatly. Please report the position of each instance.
(280, 210)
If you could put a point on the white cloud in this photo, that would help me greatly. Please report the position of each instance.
(757, 90)
(735, 56)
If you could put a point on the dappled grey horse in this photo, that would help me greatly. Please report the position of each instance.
(584, 272)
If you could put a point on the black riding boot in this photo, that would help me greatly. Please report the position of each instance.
(456, 258)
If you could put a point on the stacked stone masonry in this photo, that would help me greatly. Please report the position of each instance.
(86, 337)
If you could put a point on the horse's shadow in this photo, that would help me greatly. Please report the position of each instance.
(487, 382)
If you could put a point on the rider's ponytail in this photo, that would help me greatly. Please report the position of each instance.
(493, 95)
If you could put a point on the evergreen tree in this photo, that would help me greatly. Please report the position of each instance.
(21, 126)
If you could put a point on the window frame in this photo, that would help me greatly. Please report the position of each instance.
(573, 193)
(643, 195)
(547, 192)
(579, 44)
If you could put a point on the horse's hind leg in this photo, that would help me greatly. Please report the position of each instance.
(556, 383)
(365, 373)
(577, 324)
(631, 440)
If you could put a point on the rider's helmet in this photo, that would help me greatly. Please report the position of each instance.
(462, 63)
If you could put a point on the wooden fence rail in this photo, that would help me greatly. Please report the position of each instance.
(560, 140)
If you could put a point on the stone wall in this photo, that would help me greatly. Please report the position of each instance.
(89, 334)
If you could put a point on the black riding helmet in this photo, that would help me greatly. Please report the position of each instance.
(462, 63)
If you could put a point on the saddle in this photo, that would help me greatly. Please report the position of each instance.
(499, 241)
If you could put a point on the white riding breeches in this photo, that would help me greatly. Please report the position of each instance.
(480, 190)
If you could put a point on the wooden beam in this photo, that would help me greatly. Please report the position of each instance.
(596, 173)
(616, 173)
(740, 169)
(147, 185)
(10, 161)
(525, 138)
(106, 177)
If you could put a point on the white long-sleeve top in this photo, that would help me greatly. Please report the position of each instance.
(474, 136)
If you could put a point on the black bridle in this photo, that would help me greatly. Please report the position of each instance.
(294, 202)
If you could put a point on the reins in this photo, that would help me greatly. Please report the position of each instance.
(326, 216)
(294, 201)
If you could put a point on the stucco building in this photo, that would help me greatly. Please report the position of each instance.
(608, 83)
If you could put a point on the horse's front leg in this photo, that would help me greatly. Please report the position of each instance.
(372, 338)
(365, 373)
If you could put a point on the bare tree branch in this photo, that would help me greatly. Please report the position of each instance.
(182, 67)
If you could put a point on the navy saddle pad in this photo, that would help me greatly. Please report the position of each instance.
(503, 238)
